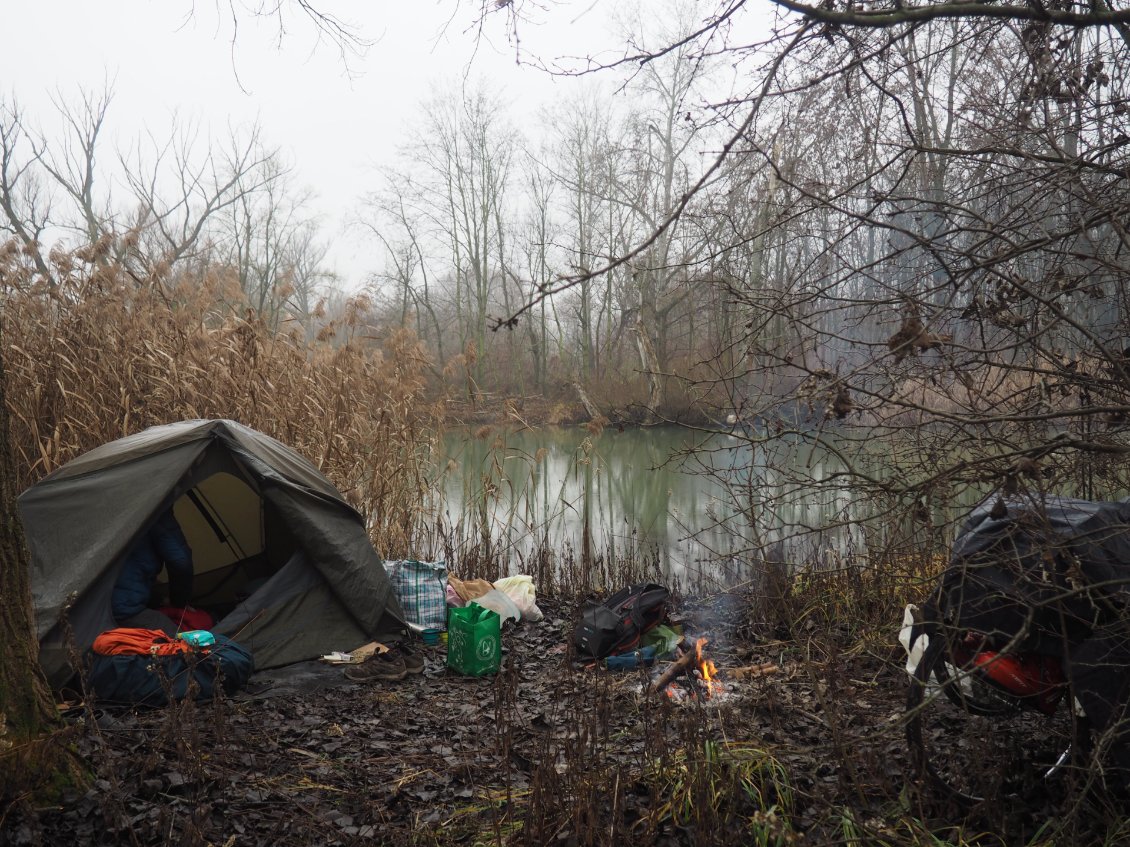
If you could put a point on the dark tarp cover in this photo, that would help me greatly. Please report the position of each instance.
(329, 593)
(1045, 569)
(143, 680)
(1052, 575)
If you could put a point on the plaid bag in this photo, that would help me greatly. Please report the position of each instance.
(421, 588)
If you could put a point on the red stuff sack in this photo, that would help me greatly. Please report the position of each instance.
(187, 618)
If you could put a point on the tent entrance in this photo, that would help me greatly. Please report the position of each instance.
(237, 542)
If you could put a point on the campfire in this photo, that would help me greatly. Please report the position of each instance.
(694, 676)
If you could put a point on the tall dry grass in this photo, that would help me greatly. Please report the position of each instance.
(105, 350)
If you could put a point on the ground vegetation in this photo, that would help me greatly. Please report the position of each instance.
(548, 751)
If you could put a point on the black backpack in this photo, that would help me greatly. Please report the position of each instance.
(617, 624)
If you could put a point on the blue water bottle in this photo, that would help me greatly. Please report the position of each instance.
(632, 660)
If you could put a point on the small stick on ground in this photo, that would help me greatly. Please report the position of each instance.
(753, 671)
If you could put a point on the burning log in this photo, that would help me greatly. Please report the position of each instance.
(683, 664)
(701, 675)
(704, 684)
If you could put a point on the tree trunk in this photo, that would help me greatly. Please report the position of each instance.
(26, 707)
(649, 364)
(590, 406)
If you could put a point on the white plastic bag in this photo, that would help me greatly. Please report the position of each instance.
(499, 602)
(914, 650)
(520, 589)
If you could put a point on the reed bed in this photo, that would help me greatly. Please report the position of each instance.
(105, 349)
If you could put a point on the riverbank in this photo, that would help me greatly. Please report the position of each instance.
(545, 752)
(536, 410)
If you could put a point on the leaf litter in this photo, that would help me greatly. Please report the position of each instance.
(547, 751)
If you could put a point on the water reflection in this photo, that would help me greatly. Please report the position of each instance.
(710, 504)
(789, 498)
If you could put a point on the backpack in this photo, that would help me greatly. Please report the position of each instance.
(617, 624)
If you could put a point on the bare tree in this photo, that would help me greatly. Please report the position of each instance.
(466, 150)
(893, 14)
(262, 227)
(288, 18)
(184, 184)
(26, 707)
(917, 224)
(25, 200)
(393, 216)
(660, 176)
(538, 240)
(26, 710)
(72, 162)
(308, 280)
(580, 151)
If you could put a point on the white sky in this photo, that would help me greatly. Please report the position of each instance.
(333, 128)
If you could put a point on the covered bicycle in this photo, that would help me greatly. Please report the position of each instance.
(1020, 658)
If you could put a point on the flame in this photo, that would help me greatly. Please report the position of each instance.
(707, 669)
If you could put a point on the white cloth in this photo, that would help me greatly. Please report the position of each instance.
(520, 589)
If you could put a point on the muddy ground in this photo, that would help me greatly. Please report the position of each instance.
(545, 752)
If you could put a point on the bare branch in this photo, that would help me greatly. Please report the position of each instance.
(570, 281)
(899, 13)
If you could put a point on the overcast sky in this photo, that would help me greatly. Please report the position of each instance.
(334, 127)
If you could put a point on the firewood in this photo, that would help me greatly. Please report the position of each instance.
(683, 663)
(752, 672)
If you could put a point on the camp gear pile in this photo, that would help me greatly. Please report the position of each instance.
(1047, 576)
(147, 668)
(281, 561)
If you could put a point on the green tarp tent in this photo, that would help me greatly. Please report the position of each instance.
(282, 562)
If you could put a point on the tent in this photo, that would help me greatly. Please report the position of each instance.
(281, 561)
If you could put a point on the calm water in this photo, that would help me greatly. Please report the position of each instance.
(706, 513)
(709, 504)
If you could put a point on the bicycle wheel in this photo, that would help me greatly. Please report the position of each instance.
(972, 741)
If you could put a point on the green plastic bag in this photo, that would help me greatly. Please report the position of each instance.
(474, 640)
(664, 639)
